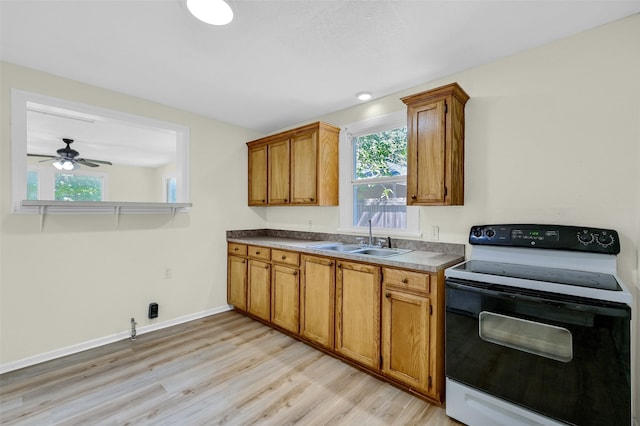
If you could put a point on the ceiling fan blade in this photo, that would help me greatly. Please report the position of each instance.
(42, 155)
(86, 162)
(48, 159)
(109, 163)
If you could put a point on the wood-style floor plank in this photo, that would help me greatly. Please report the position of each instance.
(224, 369)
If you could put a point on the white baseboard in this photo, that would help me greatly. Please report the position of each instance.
(58, 353)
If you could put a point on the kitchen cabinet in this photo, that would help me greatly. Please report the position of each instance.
(435, 146)
(259, 282)
(409, 353)
(285, 290)
(296, 167)
(358, 313)
(258, 175)
(317, 300)
(237, 276)
(278, 177)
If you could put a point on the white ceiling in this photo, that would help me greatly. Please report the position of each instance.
(280, 63)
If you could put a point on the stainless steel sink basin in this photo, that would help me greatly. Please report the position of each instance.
(338, 247)
(356, 249)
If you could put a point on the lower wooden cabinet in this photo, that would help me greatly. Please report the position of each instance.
(358, 313)
(317, 298)
(405, 338)
(237, 282)
(259, 289)
(285, 297)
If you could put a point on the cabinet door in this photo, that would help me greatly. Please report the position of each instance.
(259, 289)
(358, 313)
(285, 297)
(304, 168)
(405, 339)
(279, 172)
(317, 300)
(258, 176)
(426, 154)
(237, 282)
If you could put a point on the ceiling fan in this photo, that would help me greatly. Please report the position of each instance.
(67, 158)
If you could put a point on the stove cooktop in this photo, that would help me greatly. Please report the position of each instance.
(594, 280)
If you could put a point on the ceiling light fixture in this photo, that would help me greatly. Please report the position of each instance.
(363, 96)
(213, 12)
(65, 165)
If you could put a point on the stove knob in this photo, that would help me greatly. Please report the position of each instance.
(490, 233)
(585, 237)
(604, 238)
(477, 232)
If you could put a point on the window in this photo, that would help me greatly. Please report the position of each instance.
(47, 183)
(170, 189)
(374, 176)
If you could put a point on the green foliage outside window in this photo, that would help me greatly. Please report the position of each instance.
(78, 188)
(381, 154)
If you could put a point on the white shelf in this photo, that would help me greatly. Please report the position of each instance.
(44, 207)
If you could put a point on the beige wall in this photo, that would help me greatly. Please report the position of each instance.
(82, 277)
(552, 136)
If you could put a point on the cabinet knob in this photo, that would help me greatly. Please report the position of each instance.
(414, 197)
(242, 260)
(312, 199)
(264, 201)
(295, 272)
(387, 295)
(266, 266)
(235, 249)
(258, 252)
(284, 257)
(405, 280)
(339, 265)
(285, 200)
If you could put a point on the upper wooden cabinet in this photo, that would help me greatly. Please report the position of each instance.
(296, 167)
(435, 146)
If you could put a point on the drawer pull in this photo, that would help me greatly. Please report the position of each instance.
(387, 295)
(414, 196)
(235, 249)
(295, 272)
(405, 281)
(284, 257)
(257, 252)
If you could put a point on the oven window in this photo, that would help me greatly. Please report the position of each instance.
(533, 337)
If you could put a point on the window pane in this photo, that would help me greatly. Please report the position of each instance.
(381, 154)
(384, 203)
(78, 188)
(32, 185)
(171, 190)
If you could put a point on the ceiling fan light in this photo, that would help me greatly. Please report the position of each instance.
(58, 165)
(213, 12)
(68, 165)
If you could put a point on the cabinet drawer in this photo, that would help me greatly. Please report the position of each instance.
(237, 249)
(285, 257)
(406, 280)
(257, 252)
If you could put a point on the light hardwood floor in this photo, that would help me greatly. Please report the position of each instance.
(223, 369)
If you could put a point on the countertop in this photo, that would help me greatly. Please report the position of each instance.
(429, 261)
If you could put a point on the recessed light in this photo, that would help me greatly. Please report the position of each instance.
(213, 12)
(363, 96)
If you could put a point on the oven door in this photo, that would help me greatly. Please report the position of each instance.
(564, 358)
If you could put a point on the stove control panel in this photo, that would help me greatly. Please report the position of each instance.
(557, 237)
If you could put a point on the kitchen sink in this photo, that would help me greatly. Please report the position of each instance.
(356, 249)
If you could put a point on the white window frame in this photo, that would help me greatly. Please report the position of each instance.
(347, 133)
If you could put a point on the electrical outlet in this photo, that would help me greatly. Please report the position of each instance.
(168, 273)
(435, 233)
